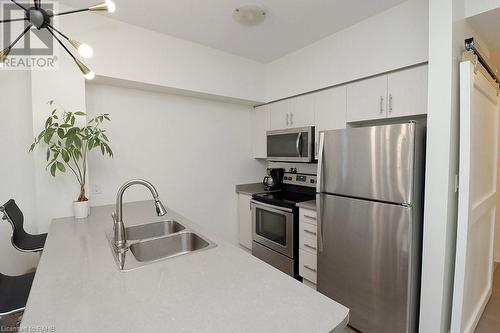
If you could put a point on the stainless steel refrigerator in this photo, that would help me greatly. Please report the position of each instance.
(370, 207)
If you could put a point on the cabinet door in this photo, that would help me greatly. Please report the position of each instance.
(280, 114)
(302, 111)
(245, 220)
(408, 92)
(367, 99)
(330, 107)
(260, 125)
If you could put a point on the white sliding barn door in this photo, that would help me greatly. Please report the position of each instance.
(477, 198)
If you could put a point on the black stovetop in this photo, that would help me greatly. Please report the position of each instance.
(288, 196)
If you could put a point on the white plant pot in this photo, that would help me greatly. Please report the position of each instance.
(81, 209)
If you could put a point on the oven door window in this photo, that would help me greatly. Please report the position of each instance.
(271, 226)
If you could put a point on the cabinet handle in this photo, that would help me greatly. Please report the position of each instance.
(291, 118)
(390, 103)
(310, 217)
(381, 104)
(287, 122)
(310, 247)
(309, 232)
(309, 268)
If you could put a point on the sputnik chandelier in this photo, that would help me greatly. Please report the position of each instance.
(42, 19)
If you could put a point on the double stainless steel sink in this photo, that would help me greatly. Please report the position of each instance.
(152, 242)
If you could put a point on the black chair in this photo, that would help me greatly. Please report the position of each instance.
(21, 239)
(14, 292)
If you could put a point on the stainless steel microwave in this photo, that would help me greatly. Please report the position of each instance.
(291, 145)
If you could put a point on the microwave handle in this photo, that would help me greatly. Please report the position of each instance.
(298, 144)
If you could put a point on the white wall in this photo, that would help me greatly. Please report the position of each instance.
(54, 196)
(132, 53)
(393, 39)
(447, 31)
(16, 167)
(193, 150)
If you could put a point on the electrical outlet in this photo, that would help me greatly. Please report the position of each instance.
(96, 189)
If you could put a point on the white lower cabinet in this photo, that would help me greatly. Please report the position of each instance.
(245, 220)
(308, 247)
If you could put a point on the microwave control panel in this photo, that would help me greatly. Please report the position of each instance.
(299, 179)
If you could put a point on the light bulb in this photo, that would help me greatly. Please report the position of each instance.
(85, 51)
(89, 76)
(111, 6)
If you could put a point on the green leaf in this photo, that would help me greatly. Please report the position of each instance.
(65, 155)
(60, 132)
(104, 137)
(40, 136)
(103, 149)
(32, 146)
(80, 113)
(53, 169)
(48, 122)
(61, 167)
(48, 154)
(48, 135)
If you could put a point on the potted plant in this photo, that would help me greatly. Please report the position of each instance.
(68, 145)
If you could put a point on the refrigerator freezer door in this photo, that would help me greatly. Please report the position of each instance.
(369, 162)
(364, 262)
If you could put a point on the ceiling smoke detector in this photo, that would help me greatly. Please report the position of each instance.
(249, 15)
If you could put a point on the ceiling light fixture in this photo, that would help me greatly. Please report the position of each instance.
(249, 15)
(40, 18)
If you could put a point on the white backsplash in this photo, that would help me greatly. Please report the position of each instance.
(308, 168)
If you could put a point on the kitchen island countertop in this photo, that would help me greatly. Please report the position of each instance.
(78, 287)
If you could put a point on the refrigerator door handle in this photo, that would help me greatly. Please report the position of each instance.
(319, 177)
(319, 188)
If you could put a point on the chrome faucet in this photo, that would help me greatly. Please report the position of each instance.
(120, 241)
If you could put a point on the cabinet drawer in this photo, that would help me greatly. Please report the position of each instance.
(308, 244)
(307, 265)
(308, 229)
(307, 215)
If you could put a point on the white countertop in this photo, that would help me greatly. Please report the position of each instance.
(78, 287)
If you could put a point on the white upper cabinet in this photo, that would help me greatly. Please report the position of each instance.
(260, 125)
(330, 107)
(302, 111)
(407, 92)
(280, 114)
(399, 94)
(367, 99)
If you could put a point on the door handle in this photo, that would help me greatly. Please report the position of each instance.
(381, 104)
(291, 118)
(298, 144)
(287, 121)
(390, 103)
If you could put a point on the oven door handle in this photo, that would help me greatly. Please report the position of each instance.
(273, 207)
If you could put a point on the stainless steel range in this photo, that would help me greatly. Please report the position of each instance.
(275, 222)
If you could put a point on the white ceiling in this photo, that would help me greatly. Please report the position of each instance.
(289, 25)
